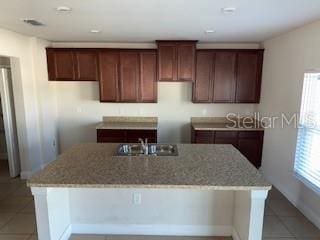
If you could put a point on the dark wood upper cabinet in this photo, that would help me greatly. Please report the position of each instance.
(148, 76)
(129, 76)
(167, 66)
(72, 64)
(60, 64)
(202, 89)
(176, 60)
(235, 76)
(249, 71)
(186, 61)
(86, 65)
(224, 77)
(109, 76)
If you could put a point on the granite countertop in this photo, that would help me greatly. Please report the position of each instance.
(129, 123)
(198, 166)
(223, 124)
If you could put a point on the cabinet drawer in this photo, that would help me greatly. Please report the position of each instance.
(204, 136)
(226, 134)
(134, 135)
(250, 134)
(110, 135)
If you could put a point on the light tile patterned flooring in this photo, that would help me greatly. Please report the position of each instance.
(17, 219)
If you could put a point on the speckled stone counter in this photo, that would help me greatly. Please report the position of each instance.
(223, 124)
(129, 123)
(94, 165)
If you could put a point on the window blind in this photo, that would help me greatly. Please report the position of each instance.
(307, 158)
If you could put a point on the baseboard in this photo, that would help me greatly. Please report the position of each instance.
(28, 174)
(153, 229)
(302, 206)
(67, 233)
(235, 234)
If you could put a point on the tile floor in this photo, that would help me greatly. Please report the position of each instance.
(17, 219)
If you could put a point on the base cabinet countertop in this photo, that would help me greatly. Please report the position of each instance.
(247, 138)
(127, 129)
(197, 166)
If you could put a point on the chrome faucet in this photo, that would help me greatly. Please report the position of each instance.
(144, 145)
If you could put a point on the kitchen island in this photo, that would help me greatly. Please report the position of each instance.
(207, 190)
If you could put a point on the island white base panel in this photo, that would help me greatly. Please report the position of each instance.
(63, 211)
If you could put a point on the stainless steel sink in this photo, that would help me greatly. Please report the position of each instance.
(130, 150)
(163, 149)
(153, 150)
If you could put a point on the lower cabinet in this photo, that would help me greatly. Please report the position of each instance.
(249, 143)
(125, 136)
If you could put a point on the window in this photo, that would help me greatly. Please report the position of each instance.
(307, 161)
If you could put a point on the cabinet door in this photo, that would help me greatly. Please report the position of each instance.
(86, 63)
(204, 137)
(129, 76)
(111, 136)
(249, 69)
(60, 64)
(167, 61)
(186, 61)
(250, 145)
(226, 137)
(134, 135)
(109, 77)
(148, 76)
(202, 88)
(224, 77)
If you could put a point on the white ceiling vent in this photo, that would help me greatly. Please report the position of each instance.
(32, 22)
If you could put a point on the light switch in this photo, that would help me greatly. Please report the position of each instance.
(137, 198)
(79, 110)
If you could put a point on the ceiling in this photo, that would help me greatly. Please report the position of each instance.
(148, 20)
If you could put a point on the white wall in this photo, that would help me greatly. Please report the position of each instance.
(204, 208)
(46, 101)
(30, 97)
(79, 109)
(286, 59)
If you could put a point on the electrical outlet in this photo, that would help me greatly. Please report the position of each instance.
(79, 110)
(137, 198)
(204, 112)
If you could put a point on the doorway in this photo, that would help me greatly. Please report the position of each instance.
(9, 151)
